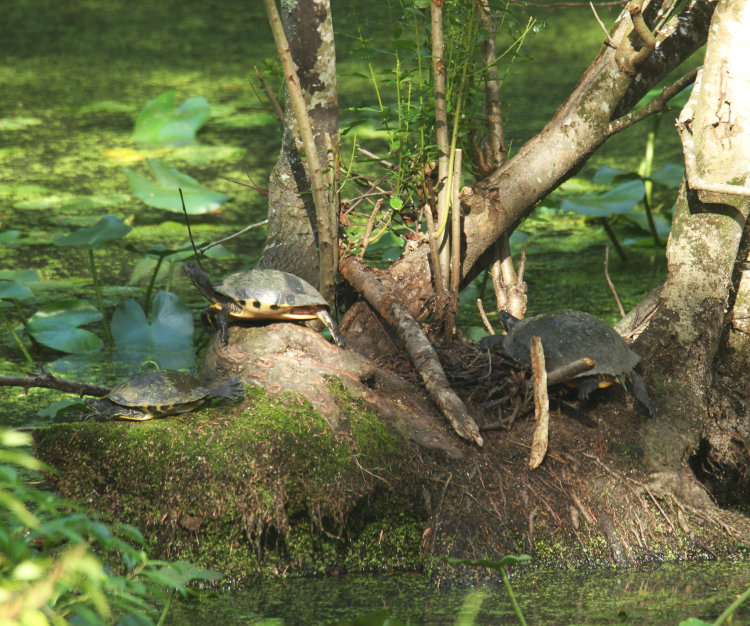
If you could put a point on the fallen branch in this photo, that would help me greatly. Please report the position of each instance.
(541, 405)
(380, 296)
(48, 381)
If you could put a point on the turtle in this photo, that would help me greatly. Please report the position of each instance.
(260, 294)
(158, 393)
(568, 336)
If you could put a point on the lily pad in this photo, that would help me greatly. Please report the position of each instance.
(669, 175)
(164, 194)
(615, 201)
(106, 229)
(12, 290)
(167, 340)
(55, 326)
(160, 122)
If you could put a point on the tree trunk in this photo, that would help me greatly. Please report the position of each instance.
(291, 243)
(681, 343)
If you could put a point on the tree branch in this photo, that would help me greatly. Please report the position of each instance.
(48, 381)
(423, 355)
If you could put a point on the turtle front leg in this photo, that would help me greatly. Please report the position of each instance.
(325, 317)
(222, 321)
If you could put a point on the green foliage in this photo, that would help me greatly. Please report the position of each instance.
(167, 340)
(162, 193)
(109, 228)
(161, 123)
(498, 566)
(55, 325)
(404, 113)
(60, 566)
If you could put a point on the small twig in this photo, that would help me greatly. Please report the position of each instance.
(369, 227)
(604, 28)
(375, 157)
(610, 283)
(229, 237)
(569, 370)
(277, 110)
(483, 315)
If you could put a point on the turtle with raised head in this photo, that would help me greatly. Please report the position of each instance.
(261, 294)
(568, 336)
(158, 393)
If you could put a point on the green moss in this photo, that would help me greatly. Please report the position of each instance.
(264, 488)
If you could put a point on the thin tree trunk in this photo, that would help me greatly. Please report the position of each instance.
(681, 342)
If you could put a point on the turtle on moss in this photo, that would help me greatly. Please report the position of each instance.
(158, 393)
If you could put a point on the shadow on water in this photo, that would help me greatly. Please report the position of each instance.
(659, 595)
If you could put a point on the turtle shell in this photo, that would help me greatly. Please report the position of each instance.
(159, 391)
(270, 293)
(568, 336)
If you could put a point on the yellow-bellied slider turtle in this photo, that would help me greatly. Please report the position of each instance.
(568, 336)
(260, 295)
(146, 395)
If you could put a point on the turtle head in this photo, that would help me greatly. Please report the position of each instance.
(201, 280)
(507, 320)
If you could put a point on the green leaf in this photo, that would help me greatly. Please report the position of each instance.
(168, 340)
(11, 290)
(396, 203)
(106, 229)
(164, 194)
(161, 123)
(9, 238)
(57, 409)
(639, 218)
(54, 325)
(618, 200)
(669, 175)
(22, 276)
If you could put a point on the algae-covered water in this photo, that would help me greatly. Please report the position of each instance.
(660, 595)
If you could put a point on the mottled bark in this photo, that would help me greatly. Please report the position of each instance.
(681, 343)
(291, 244)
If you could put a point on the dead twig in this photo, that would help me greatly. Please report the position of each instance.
(610, 283)
(541, 405)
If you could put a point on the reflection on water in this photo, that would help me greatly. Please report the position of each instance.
(658, 595)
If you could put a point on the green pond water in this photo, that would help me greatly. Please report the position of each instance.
(662, 595)
(75, 75)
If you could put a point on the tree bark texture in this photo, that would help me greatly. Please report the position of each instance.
(291, 243)
(681, 343)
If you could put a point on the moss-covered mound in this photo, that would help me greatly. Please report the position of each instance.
(263, 486)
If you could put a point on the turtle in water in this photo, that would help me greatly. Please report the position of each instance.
(568, 336)
(261, 294)
(157, 393)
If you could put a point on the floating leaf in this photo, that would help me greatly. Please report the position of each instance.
(55, 326)
(106, 229)
(639, 218)
(161, 122)
(618, 200)
(163, 194)
(9, 238)
(12, 290)
(22, 276)
(168, 340)
(669, 175)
